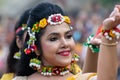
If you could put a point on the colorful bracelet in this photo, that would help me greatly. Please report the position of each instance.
(94, 48)
(112, 33)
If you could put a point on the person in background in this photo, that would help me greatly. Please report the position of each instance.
(16, 46)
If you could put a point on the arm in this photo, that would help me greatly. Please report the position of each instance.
(107, 60)
(90, 64)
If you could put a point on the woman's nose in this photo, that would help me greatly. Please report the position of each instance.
(64, 43)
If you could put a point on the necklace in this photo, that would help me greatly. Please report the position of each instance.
(50, 70)
(55, 70)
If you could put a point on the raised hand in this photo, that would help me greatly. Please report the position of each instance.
(113, 20)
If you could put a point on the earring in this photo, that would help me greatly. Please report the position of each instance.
(75, 57)
(17, 55)
(74, 67)
(35, 64)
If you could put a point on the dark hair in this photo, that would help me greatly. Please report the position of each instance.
(42, 10)
(11, 62)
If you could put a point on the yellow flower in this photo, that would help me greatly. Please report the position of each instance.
(111, 34)
(67, 19)
(33, 29)
(37, 25)
(36, 28)
(42, 23)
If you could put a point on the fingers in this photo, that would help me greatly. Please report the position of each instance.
(113, 20)
(115, 11)
(115, 15)
(108, 23)
(118, 6)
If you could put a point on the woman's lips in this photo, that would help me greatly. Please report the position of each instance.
(64, 53)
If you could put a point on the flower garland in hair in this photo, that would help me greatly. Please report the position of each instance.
(31, 42)
(54, 19)
(22, 28)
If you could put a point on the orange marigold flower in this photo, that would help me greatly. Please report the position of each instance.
(37, 25)
(67, 19)
(111, 34)
(42, 23)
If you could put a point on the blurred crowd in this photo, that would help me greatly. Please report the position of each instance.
(85, 21)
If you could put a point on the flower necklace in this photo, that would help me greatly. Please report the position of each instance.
(50, 70)
(55, 70)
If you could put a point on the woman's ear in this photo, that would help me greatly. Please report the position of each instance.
(37, 52)
(19, 42)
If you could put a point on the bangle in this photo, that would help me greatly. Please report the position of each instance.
(109, 44)
(94, 48)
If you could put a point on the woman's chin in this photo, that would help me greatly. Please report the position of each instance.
(64, 63)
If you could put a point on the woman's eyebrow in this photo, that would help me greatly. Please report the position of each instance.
(54, 33)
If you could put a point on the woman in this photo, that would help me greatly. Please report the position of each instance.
(50, 48)
(16, 46)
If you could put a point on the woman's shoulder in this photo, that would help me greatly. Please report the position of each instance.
(7, 76)
(85, 76)
(20, 78)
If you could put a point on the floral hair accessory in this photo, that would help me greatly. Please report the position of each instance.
(24, 27)
(31, 42)
(54, 19)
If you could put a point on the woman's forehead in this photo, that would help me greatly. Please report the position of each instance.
(62, 28)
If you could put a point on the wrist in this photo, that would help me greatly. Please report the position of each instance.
(111, 34)
(107, 42)
(103, 39)
(94, 48)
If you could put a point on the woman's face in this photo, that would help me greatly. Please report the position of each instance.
(57, 45)
(20, 41)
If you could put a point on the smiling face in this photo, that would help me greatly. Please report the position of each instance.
(57, 45)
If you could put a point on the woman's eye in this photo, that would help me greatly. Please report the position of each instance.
(69, 36)
(53, 39)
